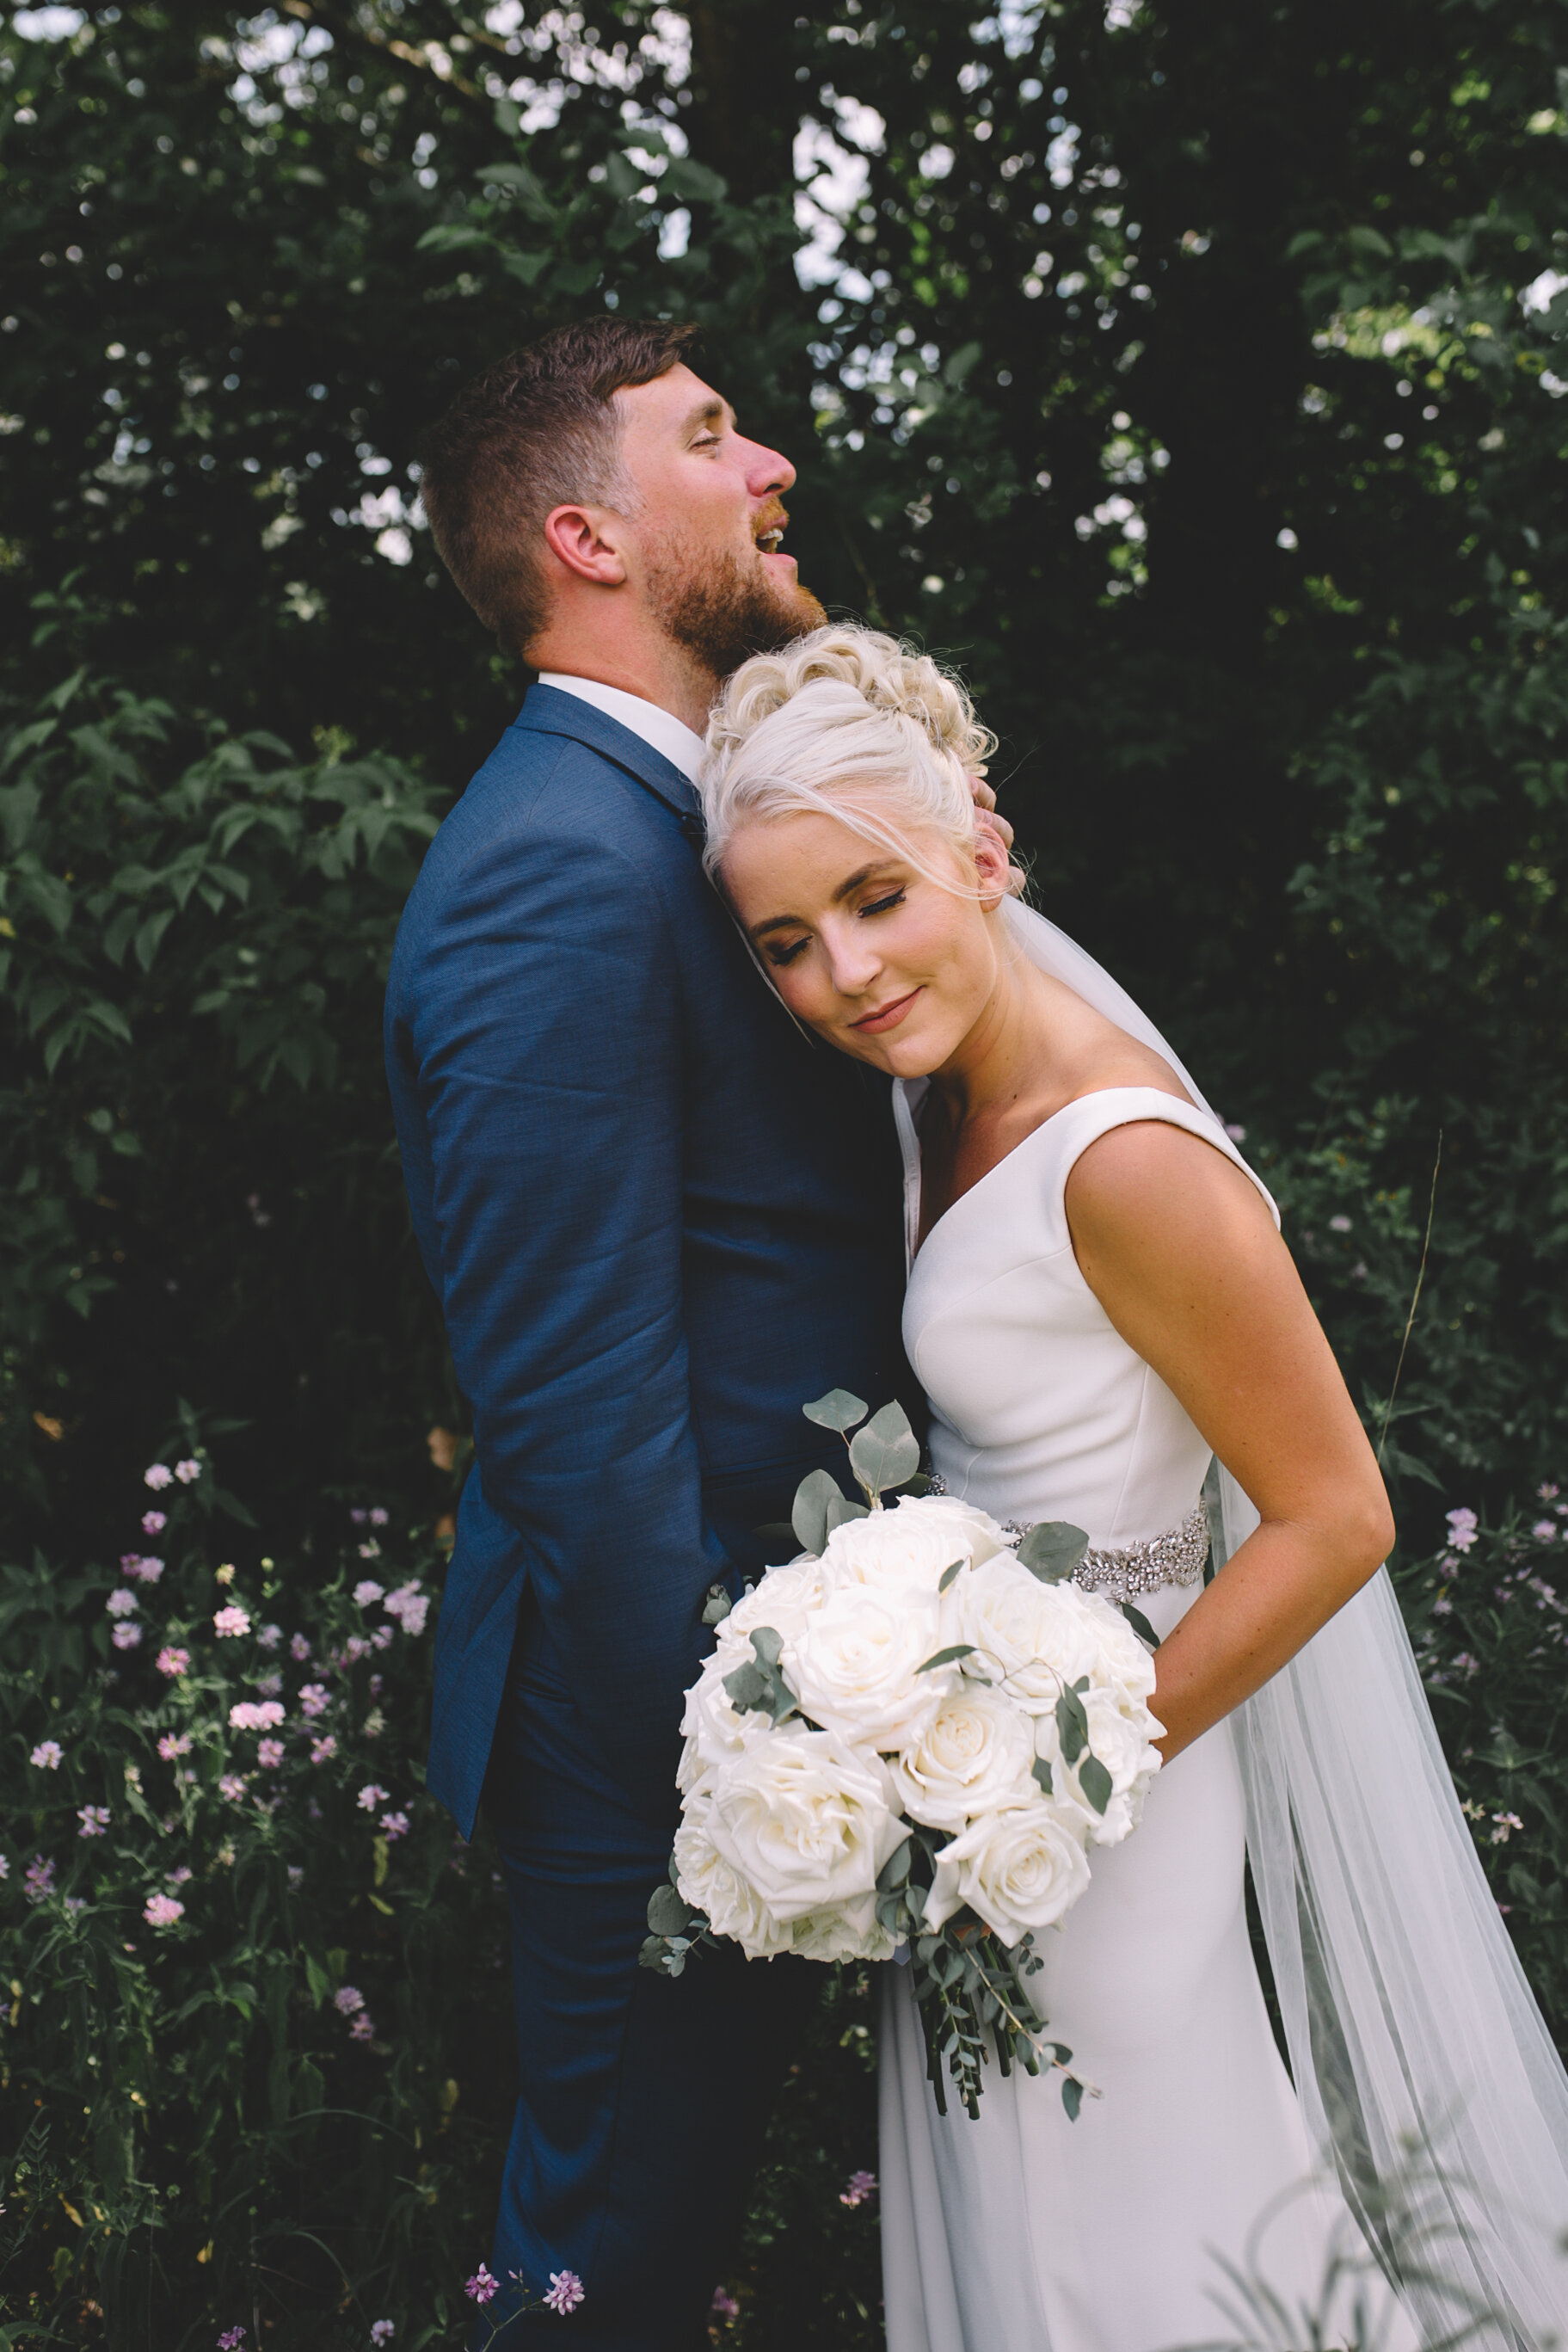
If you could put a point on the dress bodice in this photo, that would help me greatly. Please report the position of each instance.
(1039, 1408)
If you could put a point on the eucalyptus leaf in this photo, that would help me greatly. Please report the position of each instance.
(1095, 1782)
(717, 1605)
(768, 1646)
(1052, 1550)
(749, 1688)
(841, 1510)
(1140, 1624)
(1072, 2096)
(946, 1657)
(814, 1497)
(885, 1452)
(838, 1410)
(1040, 1768)
(1071, 1726)
(948, 1576)
(669, 1913)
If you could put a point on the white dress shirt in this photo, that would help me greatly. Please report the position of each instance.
(661, 729)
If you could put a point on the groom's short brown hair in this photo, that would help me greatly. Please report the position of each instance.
(534, 431)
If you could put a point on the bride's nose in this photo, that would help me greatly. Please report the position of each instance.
(853, 963)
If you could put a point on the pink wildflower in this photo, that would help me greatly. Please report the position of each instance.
(862, 2185)
(348, 2000)
(159, 1476)
(300, 1648)
(313, 1700)
(1462, 1530)
(724, 2304)
(1548, 1493)
(396, 1825)
(367, 1590)
(271, 1685)
(269, 1755)
(231, 2339)
(162, 1911)
(231, 1786)
(142, 1566)
(361, 2028)
(230, 1621)
(378, 1516)
(408, 1605)
(481, 2287)
(121, 1602)
(323, 1750)
(371, 1795)
(94, 1820)
(269, 1636)
(40, 1880)
(381, 1639)
(257, 1714)
(358, 1517)
(126, 1635)
(1544, 1530)
(370, 1550)
(564, 2291)
(172, 1744)
(382, 2331)
(173, 1661)
(47, 1756)
(178, 1878)
(153, 1522)
(187, 1473)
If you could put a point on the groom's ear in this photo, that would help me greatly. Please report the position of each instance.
(586, 540)
(993, 871)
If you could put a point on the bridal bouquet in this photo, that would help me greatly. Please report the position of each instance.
(904, 1744)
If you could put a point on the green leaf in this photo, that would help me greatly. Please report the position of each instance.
(669, 1913)
(1139, 1623)
(814, 1497)
(838, 1410)
(946, 1657)
(1072, 2096)
(948, 1576)
(747, 1688)
(1052, 1550)
(1040, 1768)
(885, 1452)
(717, 1605)
(1095, 1782)
(1071, 1726)
(841, 1510)
(768, 1646)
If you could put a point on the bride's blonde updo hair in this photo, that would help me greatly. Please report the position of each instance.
(851, 724)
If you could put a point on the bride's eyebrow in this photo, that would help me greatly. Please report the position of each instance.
(850, 882)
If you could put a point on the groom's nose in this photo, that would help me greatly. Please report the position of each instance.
(768, 471)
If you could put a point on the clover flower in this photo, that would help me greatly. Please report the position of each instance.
(408, 1605)
(300, 1648)
(231, 2339)
(371, 1795)
(155, 1522)
(368, 1590)
(269, 1636)
(370, 1550)
(322, 1751)
(179, 1877)
(230, 1621)
(1462, 1529)
(39, 1879)
(270, 1685)
(159, 1476)
(381, 1639)
(313, 1700)
(162, 1911)
(1544, 1530)
(231, 1786)
(860, 2185)
(94, 1820)
(142, 1566)
(724, 2304)
(396, 1825)
(256, 1714)
(269, 1755)
(382, 2331)
(564, 2291)
(187, 1473)
(362, 2029)
(172, 1744)
(481, 2288)
(47, 1756)
(1504, 1825)
(121, 1602)
(348, 1998)
(126, 1635)
(173, 1661)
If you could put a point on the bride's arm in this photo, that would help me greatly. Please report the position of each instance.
(1181, 1251)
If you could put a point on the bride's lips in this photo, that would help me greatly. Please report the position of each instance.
(885, 1017)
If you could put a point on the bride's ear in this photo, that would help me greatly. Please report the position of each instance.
(992, 865)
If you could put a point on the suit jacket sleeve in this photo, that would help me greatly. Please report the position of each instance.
(547, 1041)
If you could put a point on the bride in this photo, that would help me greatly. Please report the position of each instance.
(1099, 1307)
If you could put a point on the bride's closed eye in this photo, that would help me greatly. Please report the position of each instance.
(781, 955)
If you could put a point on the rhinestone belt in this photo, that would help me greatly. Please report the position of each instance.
(1176, 1558)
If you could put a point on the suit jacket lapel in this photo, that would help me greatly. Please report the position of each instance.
(547, 711)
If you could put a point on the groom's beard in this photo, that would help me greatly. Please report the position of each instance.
(730, 611)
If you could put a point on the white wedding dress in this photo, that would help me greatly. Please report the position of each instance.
(1024, 2231)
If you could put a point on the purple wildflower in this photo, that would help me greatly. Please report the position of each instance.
(1544, 1530)
(269, 1755)
(300, 1648)
(231, 2339)
(724, 2304)
(323, 1750)
(269, 1636)
(47, 1756)
(230, 1621)
(361, 2028)
(153, 1522)
(382, 2331)
(40, 1880)
(126, 1635)
(159, 1476)
(408, 1605)
(187, 1473)
(231, 1786)
(396, 1825)
(367, 1590)
(564, 2291)
(1462, 1529)
(862, 2186)
(172, 1662)
(371, 1795)
(481, 2287)
(162, 1911)
(347, 2000)
(378, 1516)
(313, 1700)
(172, 1744)
(121, 1602)
(94, 1820)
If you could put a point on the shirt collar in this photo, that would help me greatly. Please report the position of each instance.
(666, 734)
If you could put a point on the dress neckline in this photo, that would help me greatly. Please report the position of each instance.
(910, 1137)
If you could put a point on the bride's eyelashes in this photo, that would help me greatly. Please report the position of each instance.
(777, 955)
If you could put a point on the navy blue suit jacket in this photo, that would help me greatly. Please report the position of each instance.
(658, 1218)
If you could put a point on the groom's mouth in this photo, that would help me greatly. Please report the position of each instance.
(769, 540)
(885, 1016)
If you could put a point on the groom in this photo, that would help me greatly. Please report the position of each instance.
(658, 1219)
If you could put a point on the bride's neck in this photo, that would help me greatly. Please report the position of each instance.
(997, 1064)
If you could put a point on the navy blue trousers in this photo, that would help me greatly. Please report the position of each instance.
(643, 2099)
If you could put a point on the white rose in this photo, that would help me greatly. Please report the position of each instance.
(908, 1550)
(732, 1906)
(974, 1757)
(1123, 1741)
(713, 1729)
(845, 1931)
(784, 1600)
(1036, 1638)
(1019, 1869)
(855, 1665)
(804, 1821)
